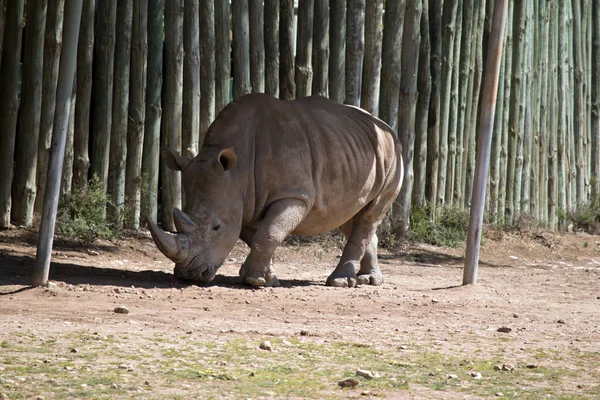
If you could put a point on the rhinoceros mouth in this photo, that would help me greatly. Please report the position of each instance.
(193, 272)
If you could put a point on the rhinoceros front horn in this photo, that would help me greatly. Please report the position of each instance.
(175, 247)
(183, 223)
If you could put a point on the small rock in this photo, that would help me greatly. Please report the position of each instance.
(40, 398)
(266, 345)
(476, 375)
(434, 300)
(93, 252)
(365, 374)
(286, 342)
(507, 367)
(114, 386)
(452, 376)
(365, 393)
(499, 394)
(579, 386)
(403, 347)
(432, 374)
(303, 332)
(121, 310)
(74, 350)
(348, 383)
(504, 329)
(497, 367)
(147, 383)
(532, 366)
(514, 316)
(561, 321)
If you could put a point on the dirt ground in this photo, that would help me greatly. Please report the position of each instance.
(534, 313)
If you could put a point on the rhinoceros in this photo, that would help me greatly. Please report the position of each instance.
(269, 168)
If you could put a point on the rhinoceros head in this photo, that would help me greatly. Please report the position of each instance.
(210, 224)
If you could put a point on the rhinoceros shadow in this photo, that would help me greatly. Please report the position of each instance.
(18, 270)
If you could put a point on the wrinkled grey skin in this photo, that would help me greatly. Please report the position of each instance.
(269, 168)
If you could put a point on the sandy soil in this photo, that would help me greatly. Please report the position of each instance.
(544, 288)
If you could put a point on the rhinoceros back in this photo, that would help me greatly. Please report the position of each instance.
(336, 158)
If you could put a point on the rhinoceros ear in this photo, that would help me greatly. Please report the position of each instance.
(173, 161)
(226, 160)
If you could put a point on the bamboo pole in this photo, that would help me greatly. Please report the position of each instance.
(240, 48)
(287, 85)
(304, 71)
(9, 103)
(172, 108)
(391, 53)
(492, 70)
(153, 109)
(207, 68)
(407, 107)
(23, 187)
(465, 87)
(433, 123)
(63, 104)
(562, 118)
(527, 147)
(355, 22)
(553, 115)
(543, 123)
(337, 46)
(257, 45)
(320, 51)
(453, 118)
(120, 105)
(85, 56)
(222, 54)
(579, 113)
(52, 48)
(595, 91)
(422, 111)
(369, 97)
(516, 105)
(448, 39)
(272, 47)
(190, 114)
(508, 51)
(137, 112)
(66, 182)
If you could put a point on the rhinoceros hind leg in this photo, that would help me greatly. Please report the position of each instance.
(369, 273)
(344, 275)
(281, 218)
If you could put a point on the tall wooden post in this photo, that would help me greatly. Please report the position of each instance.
(66, 76)
(486, 126)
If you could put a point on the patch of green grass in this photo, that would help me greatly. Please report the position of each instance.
(297, 367)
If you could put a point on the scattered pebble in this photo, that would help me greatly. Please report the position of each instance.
(452, 376)
(365, 374)
(74, 350)
(40, 398)
(507, 367)
(504, 329)
(93, 252)
(561, 321)
(476, 375)
(532, 366)
(365, 393)
(403, 347)
(514, 316)
(266, 345)
(348, 383)
(434, 300)
(147, 383)
(499, 394)
(121, 310)
(114, 386)
(303, 332)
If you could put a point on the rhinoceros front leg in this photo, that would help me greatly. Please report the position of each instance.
(281, 218)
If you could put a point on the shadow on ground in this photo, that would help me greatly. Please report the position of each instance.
(18, 270)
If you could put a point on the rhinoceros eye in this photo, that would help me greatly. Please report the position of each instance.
(216, 228)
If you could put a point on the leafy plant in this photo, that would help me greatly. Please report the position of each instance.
(449, 228)
(82, 215)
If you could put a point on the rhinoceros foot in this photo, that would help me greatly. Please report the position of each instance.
(343, 276)
(264, 276)
(373, 279)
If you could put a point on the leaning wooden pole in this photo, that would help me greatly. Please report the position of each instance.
(66, 76)
(486, 126)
